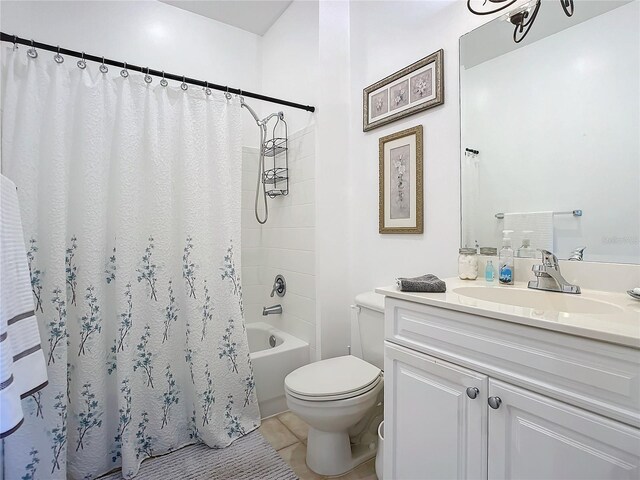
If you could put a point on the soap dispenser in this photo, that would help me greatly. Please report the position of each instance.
(525, 250)
(505, 260)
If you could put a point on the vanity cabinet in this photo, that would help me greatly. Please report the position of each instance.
(430, 415)
(533, 436)
(466, 397)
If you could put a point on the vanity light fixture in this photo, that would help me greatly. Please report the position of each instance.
(522, 18)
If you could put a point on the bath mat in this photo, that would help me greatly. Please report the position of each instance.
(248, 458)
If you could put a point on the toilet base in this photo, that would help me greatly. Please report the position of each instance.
(331, 453)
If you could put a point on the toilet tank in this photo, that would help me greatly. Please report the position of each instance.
(367, 328)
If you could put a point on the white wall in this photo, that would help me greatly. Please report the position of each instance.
(335, 157)
(385, 37)
(289, 63)
(143, 33)
(583, 81)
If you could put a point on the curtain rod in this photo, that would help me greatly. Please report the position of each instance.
(179, 78)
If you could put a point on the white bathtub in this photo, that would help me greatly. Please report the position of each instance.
(272, 364)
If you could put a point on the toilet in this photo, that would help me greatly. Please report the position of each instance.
(341, 398)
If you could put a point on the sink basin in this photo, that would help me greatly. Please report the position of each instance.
(545, 301)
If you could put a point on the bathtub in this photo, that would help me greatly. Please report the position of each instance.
(274, 354)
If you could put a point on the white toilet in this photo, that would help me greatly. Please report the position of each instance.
(337, 397)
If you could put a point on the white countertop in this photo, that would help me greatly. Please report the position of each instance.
(621, 326)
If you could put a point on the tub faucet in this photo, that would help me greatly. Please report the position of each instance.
(272, 310)
(549, 277)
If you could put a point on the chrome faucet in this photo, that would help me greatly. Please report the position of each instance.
(549, 277)
(272, 310)
(577, 254)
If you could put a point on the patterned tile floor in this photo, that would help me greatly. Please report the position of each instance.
(288, 435)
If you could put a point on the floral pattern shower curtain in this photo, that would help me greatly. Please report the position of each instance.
(130, 199)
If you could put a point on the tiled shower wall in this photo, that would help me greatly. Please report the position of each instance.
(284, 245)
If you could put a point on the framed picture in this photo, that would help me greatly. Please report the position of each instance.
(401, 200)
(413, 89)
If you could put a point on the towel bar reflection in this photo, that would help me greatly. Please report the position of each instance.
(575, 213)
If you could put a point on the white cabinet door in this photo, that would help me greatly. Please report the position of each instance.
(534, 437)
(433, 428)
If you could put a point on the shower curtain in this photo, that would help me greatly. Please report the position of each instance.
(130, 200)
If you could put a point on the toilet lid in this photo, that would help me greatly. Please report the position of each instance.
(331, 377)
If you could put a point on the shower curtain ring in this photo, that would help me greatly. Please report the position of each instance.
(57, 57)
(147, 77)
(124, 72)
(163, 82)
(184, 85)
(32, 52)
(15, 42)
(227, 94)
(207, 90)
(103, 67)
(81, 63)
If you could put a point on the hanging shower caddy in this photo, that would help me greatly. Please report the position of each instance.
(276, 179)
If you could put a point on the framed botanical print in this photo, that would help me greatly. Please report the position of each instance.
(400, 182)
(413, 89)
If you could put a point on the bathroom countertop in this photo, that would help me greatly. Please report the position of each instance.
(620, 325)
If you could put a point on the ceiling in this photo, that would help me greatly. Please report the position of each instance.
(255, 16)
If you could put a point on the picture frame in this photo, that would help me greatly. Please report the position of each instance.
(414, 89)
(401, 182)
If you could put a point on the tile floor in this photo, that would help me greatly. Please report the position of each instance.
(288, 435)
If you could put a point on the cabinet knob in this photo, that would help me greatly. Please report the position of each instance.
(472, 392)
(495, 402)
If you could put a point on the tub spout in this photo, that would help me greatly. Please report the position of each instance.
(273, 309)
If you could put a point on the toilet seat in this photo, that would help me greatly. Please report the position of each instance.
(329, 398)
(333, 379)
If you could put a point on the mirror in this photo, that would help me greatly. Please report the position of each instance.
(550, 142)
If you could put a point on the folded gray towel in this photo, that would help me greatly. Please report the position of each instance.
(426, 283)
